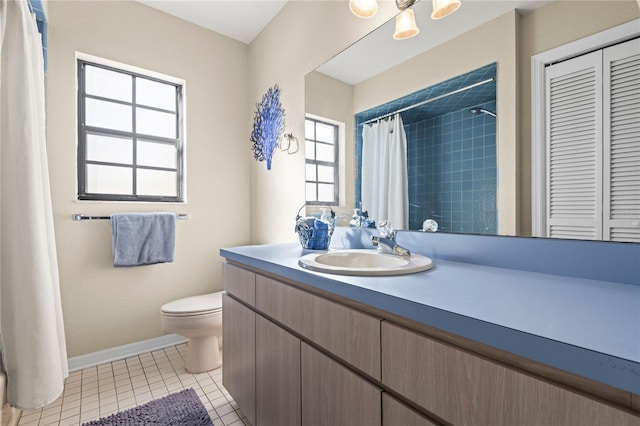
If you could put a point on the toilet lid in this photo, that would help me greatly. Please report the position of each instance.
(194, 305)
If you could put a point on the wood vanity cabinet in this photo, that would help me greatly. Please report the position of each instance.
(293, 383)
(334, 395)
(347, 333)
(293, 357)
(239, 356)
(395, 413)
(466, 389)
(239, 338)
(277, 375)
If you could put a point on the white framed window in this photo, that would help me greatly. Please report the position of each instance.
(130, 134)
(322, 172)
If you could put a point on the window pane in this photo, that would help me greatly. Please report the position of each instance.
(311, 172)
(109, 149)
(311, 192)
(309, 150)
(309, 131)
(157, 182)
(325, 152)
(325, 133)
(325, 173)
(325, 192)
(107, 115)
(107, 83)
(109, 179)
(155, 123)
(155, 94)
(157, 154)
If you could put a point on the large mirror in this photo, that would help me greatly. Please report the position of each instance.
(484, 43)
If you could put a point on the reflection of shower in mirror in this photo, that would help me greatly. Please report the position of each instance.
(476, 111)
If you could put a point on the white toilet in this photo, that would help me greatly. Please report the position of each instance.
(199, 318)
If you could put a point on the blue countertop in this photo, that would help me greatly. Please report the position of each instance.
(586, 327)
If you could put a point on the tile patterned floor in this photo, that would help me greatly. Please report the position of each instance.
(106, 389)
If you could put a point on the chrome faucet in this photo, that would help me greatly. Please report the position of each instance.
(386, 242)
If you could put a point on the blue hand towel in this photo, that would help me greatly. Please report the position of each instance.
(143, 238)
(320, 236)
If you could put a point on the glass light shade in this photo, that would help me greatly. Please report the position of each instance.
(442, 8)
(363, 8)
(405, 25)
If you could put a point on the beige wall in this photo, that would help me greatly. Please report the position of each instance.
(554, 25)
(332, 99)
(105, 306)
(232, 199)
(302, 36)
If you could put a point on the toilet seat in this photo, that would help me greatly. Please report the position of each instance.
(194, 306)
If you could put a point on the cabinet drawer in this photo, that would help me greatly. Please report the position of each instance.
(348, 333)
(395, 413)
(465, 389)
(239, 282)
(334, 395)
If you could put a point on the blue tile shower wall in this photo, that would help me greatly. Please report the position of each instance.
(452, 171)
(451, 152)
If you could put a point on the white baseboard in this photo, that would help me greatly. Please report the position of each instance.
(125, 351)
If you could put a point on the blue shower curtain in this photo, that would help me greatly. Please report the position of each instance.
(31, 327)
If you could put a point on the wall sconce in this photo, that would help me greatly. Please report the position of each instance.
(442, 8)
(363, 8)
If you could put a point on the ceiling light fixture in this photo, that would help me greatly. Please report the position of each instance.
(363, 8)
(405, 4)
(406, 25)
(442, 8)
(405, 21)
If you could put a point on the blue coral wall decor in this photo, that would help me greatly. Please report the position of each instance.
(268, 126)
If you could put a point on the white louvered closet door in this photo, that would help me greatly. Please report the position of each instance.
(621, 78)
(574, 148)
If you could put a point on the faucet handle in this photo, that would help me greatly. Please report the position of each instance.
(386, 228)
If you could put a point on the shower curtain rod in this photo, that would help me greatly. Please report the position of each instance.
(462, 89)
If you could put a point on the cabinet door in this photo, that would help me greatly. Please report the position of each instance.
(465, 389)
(574, 148)
(277, 375)
(333, 395)
(395, 413)
(349, 334)
(239, 355)
(622, 142)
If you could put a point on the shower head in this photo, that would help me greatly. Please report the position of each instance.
(476, 111)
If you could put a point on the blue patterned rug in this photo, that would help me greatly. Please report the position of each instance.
(177, 409)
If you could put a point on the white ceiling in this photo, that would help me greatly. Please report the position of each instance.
(378, 51)
(239, 19)
(244, 19)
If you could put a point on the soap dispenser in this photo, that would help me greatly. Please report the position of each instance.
(324, 217)
(356, 220)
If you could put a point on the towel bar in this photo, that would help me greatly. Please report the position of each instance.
(181, 216)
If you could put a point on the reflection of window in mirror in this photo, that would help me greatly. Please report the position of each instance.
(322, 156)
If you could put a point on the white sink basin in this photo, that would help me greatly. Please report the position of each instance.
(364, 262)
